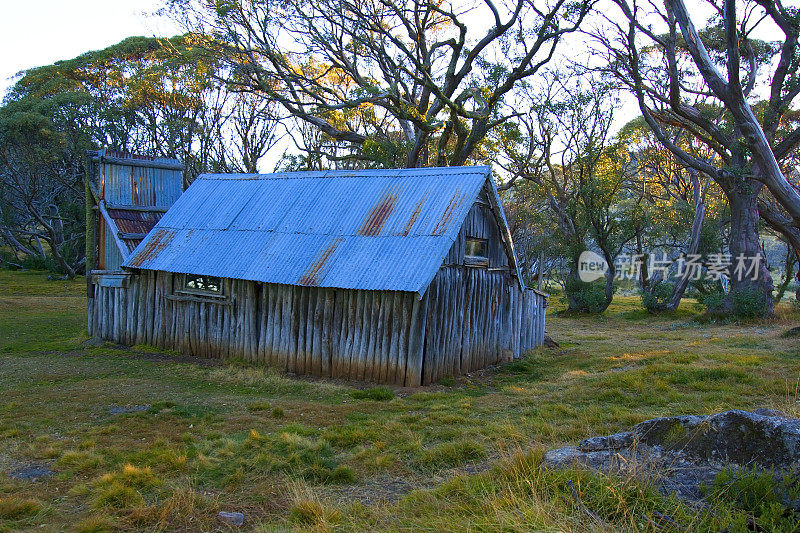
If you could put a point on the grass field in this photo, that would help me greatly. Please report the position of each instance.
(140, 440)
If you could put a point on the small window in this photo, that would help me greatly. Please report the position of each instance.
(476, 248)
(203, 283)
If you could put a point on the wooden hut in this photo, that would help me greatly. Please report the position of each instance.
(392, 276)
(126, 194)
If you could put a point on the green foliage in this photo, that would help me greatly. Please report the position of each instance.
(741, 302)
(749, 302)
(379, 394)
(447, 381)
(658, 295)
(760, 494)
(586, 297)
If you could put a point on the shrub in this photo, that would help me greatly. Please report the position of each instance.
(659, 294)
(749, 302)
(380, 394)
(586, 297)
(712, 300)
(760, 494)
(447, 381)
(744, 302)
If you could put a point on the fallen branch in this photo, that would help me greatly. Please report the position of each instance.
(580, 504)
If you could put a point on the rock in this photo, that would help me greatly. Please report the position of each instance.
(687, 451)
(794, 332)
(737, 437)
(612, 442)
(763, 411)
(550, 343)
(232, 519)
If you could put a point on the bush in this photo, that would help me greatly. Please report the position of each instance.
(749, 302)
(760, 494)
(745, 302)
(586, 297)
(658, 295)
(712, 300)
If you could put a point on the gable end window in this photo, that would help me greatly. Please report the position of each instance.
(210, 284)
(476, 252)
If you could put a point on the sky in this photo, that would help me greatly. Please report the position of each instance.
(39, 32)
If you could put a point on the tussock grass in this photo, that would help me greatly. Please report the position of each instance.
(380, 394)
(15, 508)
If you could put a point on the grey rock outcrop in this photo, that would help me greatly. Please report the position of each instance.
(681, 452)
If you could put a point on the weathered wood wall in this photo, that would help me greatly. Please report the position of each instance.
(381, 336)
(477, 318)
(480, 224)
(361, 335)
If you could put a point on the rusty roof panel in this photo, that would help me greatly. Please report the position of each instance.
(130, 221)
(373, 229)
(134, 222)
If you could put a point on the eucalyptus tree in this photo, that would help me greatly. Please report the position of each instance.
(560, 158)
(682, 214)
(395, 82)
(41, 144)
(144, 95)
(707, 83)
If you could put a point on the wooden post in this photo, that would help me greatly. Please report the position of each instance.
(91, 240)
(541, 272)
(416, 342)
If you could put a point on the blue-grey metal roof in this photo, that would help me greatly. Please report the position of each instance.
(371, 229)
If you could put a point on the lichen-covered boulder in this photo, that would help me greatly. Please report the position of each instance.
(686, 451)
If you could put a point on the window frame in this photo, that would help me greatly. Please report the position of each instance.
(476, 260)
(185, 289)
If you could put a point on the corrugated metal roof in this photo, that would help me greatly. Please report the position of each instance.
(133, 222)
(375, 229)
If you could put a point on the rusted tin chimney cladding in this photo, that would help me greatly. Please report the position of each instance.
(131, 192)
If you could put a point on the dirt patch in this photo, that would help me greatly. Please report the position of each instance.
(30, 471)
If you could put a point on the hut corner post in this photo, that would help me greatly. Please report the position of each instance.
(91, 239)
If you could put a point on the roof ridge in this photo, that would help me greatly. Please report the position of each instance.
(318, 174)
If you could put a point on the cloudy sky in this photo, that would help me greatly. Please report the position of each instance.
(40, 32)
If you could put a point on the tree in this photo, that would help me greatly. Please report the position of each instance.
(41, 147)
(560, 155)
(678, 214)
(696, 81)
(143, 95)
(398, 83)
(161, 97)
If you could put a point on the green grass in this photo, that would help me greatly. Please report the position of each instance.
(311, 453)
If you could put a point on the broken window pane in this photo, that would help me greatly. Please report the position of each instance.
(476, 248)
(203, 283)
